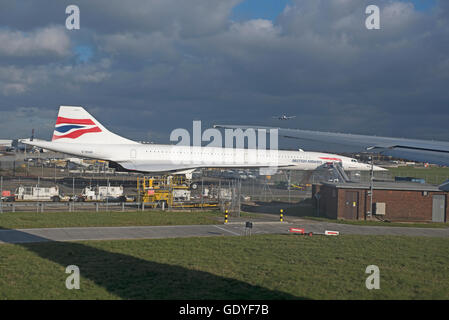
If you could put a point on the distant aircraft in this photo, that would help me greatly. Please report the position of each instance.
(429, 151)
(79, 134)
(284, 117)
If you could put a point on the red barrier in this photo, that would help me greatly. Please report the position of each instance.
(296, 230)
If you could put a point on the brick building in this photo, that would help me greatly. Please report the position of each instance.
(394, 201)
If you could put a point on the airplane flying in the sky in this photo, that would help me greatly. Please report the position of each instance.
(79, 134)
(430, 151)
(284, 117)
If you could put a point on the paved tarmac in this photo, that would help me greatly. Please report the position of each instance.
(364, 230)
(234, 228)
(145, 232)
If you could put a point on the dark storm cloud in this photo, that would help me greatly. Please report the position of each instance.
(154, 66)
(188, 18)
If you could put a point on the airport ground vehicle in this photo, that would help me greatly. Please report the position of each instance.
(77, 198)
(103, 193)
(115, 199)
(169, 191)
(7, 196)
(36, 193)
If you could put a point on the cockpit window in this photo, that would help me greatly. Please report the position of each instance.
(353, 160)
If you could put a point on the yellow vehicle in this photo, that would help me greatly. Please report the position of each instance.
(159, 190)
(158, 197)
(167, 191)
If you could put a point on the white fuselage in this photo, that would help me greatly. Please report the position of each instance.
(155, 157)
(78, 133)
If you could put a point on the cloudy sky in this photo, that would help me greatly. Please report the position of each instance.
(146, 67)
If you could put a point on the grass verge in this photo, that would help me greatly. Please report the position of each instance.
(257, 267)
(435, 175)
(381, 223)
(21, 220)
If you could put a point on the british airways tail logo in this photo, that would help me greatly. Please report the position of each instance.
(73, 128)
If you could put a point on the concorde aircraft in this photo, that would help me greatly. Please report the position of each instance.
(80, 134)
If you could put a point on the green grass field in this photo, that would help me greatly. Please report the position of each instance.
(433, 175)
(381, 223)
(26, 220)
(257, 267)
(16, 220)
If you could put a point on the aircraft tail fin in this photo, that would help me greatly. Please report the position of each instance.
(76, 125)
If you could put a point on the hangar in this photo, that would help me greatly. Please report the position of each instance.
(393, 201)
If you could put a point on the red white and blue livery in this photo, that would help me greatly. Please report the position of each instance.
(69, 128)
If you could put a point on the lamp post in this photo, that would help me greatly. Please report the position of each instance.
(1, 194)
(371, 188)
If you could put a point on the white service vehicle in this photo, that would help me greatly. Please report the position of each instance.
(37, 194)
(101, 193)
(181, 195)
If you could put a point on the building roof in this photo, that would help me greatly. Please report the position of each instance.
(385, 185)
(7, 143)
(444, 186)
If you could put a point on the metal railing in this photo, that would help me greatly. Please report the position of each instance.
(42, 206)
